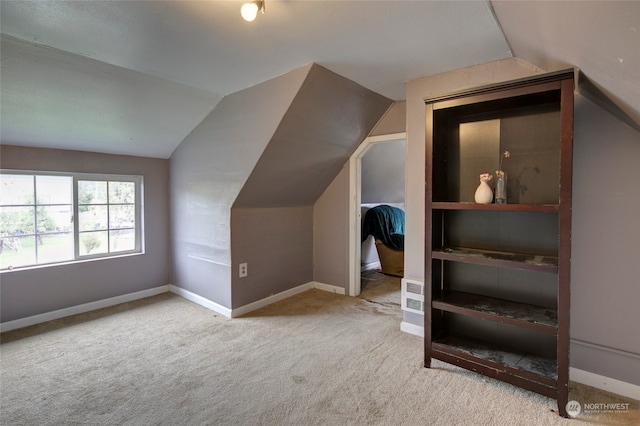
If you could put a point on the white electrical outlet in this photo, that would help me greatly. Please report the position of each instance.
(243, 270)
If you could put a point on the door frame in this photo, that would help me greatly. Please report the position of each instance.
(355, 198)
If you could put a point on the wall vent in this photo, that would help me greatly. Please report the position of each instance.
(413, 296)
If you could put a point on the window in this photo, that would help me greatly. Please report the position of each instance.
(38, 214)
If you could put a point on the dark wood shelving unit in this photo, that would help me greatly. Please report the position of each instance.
(497, 283)
(523, 315)
(548, 208)
(497, 258)
(529, 371)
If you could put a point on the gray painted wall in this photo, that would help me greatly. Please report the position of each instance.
(327, 120)
(331, 213)
(272, 219)
(208, 170)
(331, 233)
(393, 121)
(39, 290)
(277, 245)
(605, 249)
(268, 149)
(383, 173)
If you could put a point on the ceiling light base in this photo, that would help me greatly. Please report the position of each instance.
(249, 10)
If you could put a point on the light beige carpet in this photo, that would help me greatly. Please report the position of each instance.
(314, 359)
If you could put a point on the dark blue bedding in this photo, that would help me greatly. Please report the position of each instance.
(385, 223)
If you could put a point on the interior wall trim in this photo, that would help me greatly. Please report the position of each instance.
(242, 310)
(354, 217)
(80, 309)
(370, 266)
(605, 383)
(416, 330)
(199, 300)
(328, 287)
(605, 348)
(186, 294)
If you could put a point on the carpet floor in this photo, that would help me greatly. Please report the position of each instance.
(316, 358)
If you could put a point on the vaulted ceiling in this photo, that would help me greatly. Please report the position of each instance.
(133, 77)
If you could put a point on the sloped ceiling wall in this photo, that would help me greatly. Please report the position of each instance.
(51, 98)
(601, 38)
(329, 117)
(276, 144)
(272, 218)
(207, 172)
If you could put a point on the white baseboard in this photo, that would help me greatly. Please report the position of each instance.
(271, 299)
(284, 295)
(371, 266)
(197, 299)
(328, 287)
(416, 330)
(80, 309)
(112, 301)
(605, 383)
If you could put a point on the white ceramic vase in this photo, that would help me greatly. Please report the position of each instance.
(484, 194)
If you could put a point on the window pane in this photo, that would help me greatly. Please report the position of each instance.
(122, 192)
(15, 221)
(122, 217)
(55, 218)
(93, 218)
(16, 190)
(17, 251)
(38, 211)
(93, 243)
(92, 192)
(55, 247)
(122, 240)
(54, 190)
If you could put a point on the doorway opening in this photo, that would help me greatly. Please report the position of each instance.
(384, 172)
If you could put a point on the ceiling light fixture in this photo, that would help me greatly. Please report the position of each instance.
(249, 10)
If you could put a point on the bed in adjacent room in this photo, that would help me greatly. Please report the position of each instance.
(386, 224)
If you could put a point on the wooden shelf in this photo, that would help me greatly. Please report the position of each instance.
(517, 314)
(539, 373)
(539, 208)
(519, 251)
(502, 259)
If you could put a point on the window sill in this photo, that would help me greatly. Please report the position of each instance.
(71, 262)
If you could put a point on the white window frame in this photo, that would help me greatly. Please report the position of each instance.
(76, 177)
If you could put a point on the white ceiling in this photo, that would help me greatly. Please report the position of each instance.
(135, 77)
